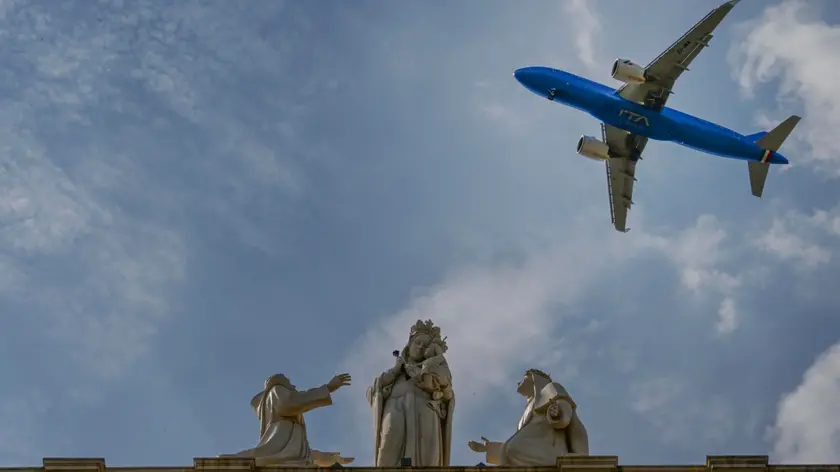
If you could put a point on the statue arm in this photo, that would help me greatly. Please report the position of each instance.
(295, 403)
(494, 452)
(432, 362)
(559, 413)
(255, 403)
(389, 376)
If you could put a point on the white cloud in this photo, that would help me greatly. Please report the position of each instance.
(828, 220)
(697, 252)
(109, 274)
(483, 305)
(807, 428)
(41, 210)
(804, 239)
(654, 394)
(790, 43)
(502, 319)
(728, 317)
(680, 413)
(783, 243)
(495, 106)
(90, 248)
(110, 316)
(585, 25)
(99, 277)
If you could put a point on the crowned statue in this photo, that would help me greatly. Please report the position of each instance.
(413, 403)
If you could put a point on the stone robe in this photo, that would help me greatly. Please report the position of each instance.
(283, 439)
(408, 422)
(540, 437)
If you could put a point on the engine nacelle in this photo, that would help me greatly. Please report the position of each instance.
(628, 72)
(593, 148)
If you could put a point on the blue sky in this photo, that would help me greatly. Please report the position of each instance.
(195, 195)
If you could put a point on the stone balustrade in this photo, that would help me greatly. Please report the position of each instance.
(564, 464)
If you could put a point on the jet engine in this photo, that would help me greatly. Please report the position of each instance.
(593, 148)
(628, 72)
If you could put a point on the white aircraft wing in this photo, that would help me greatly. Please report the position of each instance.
(663, 72)
(625, 150)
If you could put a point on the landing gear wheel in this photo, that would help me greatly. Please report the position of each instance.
(551, 94)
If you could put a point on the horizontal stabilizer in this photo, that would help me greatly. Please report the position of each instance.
(756, 136)
(758, 175)
(773, 140)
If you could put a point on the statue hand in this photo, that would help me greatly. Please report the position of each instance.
(554, 411)
(398, 366)
(327, 459)
(479, 447)
(340, 380)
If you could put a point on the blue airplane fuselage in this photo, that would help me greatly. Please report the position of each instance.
(606, 105)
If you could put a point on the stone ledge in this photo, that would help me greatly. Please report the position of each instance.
(566, 464)
(73, 464)
(587, 463)
(223, 464)
(728, 462)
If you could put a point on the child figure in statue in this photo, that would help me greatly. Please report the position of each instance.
(433, 376)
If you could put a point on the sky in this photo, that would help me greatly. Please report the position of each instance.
(197, 194)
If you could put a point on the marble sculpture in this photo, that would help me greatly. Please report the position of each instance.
(283, 439)
(413, 405)
(549, 427)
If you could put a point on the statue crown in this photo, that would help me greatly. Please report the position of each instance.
(429, 329)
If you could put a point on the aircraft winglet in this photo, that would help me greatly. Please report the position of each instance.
(771, 141)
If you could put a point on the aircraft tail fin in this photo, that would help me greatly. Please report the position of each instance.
(770, 141)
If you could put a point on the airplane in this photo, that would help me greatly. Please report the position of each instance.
(636, 112)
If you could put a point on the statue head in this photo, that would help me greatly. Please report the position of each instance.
(423, 334)
(433, 349)
(278, 380)
(534, 379)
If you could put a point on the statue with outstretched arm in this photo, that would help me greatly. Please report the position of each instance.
(549, 427)
(283, 440)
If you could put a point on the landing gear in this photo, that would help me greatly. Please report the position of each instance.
(551, 94)
(655, 103)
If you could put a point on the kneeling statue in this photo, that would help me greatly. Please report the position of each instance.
(549, 427)
(280, 408)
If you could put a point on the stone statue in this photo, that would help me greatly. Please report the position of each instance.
(413, 403)
(280, 408)
(549, 427)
